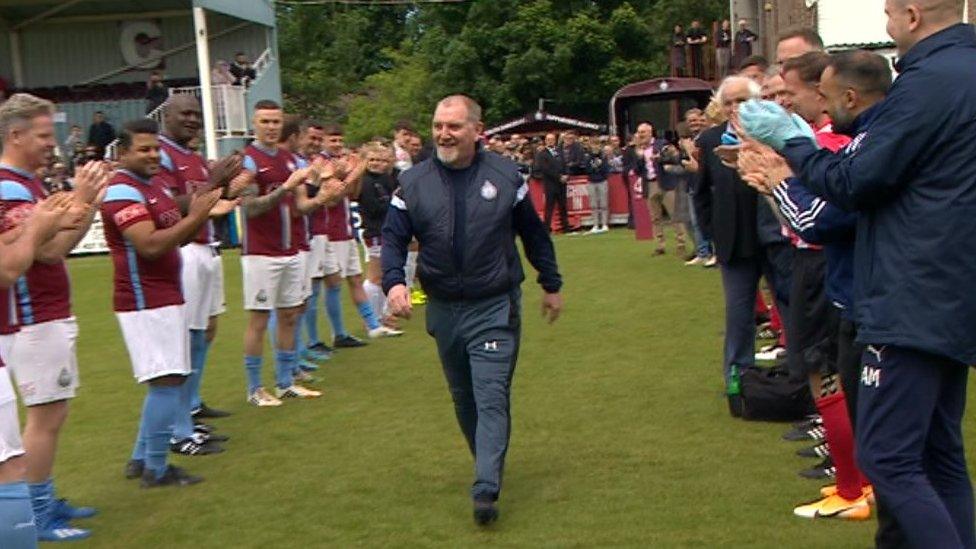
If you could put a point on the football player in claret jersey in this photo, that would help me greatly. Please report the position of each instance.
(311, 138)
(305, 207)
(273, 272)
(29, 231)
(341, 252)
(144, 230)
(42, 355)
(184, 172)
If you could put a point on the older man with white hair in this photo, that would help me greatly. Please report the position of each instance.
(748, 239)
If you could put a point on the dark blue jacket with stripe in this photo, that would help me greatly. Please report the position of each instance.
(466, 223)
(911, 177)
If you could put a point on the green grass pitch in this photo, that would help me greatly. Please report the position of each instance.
(621, 437)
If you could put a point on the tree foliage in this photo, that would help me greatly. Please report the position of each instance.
(372, 65)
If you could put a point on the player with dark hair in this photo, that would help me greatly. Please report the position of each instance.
(144, 230)
(184, 172)
(273, 272)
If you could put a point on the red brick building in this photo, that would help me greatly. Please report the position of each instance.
(770, 18)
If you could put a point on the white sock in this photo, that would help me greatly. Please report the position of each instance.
(411, 268)
(374, 294)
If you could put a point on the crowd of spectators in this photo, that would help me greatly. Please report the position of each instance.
(658, 167)
(822, 178)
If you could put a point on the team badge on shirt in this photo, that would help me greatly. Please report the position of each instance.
(64, 378)
(488, 191)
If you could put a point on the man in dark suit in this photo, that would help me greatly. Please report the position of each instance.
(100, 133)
(573, 154)
(748, 238)
(548, 166)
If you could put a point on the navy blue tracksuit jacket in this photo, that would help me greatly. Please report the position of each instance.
(911, 176)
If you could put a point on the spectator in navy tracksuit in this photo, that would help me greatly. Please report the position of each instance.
(911, 177)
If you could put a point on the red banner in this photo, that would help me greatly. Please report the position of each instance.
(643, 224)
(578, 201)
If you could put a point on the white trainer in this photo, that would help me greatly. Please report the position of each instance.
(261, 397)
(384, 331)
(296, 391)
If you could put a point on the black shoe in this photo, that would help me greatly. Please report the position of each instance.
(348, 341)
(815, 433)
(134, 468)
(812, 420)
(174, 476)
(208, 433)
(823, 470)
(206, 412)
(322, 348)
(820, 451)
(485, 512)
(191, 447)
(211, 437)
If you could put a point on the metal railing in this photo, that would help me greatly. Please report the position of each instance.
(262, 62)
(111, 150)
(230, 113)
(230, 106)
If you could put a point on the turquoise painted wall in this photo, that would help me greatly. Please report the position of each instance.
(259, 11)
(60, 54)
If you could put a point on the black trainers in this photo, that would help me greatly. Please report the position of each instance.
(322, 348)
(174, 476)
(207, 433)
(206, 412)
(348, 341)
(812, 432)
(194, 446)
(823, 470)
(210, 437)
(485, 512)
(811, 420)
(821, 451)
(134, 468)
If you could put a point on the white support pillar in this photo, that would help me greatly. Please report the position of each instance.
(206, 95)
(17, 59)
(965, 12)
(735, 28)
